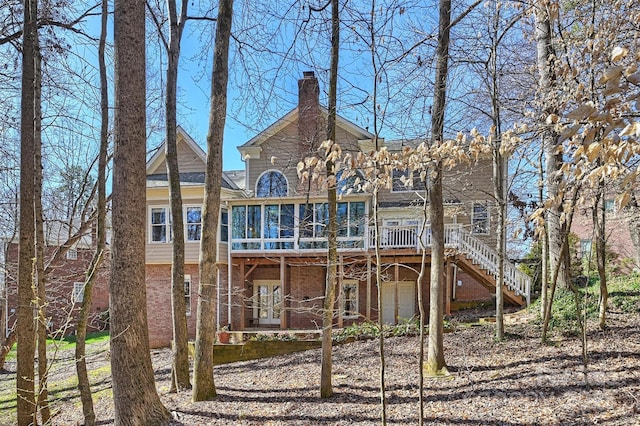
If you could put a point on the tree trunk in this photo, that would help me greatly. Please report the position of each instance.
(435, 353)
(134, 393)
(6, 346)
(556, 228)
(25, 380)
(40, 276)
(499, 173)
(423, 314)
(81, 331)
(383, 399)
(180, 364)
(633, 224)
(544, 241)
(203, 384)
(599, 221)
(326, 389)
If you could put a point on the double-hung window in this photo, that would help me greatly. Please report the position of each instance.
(407, 180)
(78, 292)
(480, 218)
(160, 225)
(224, 225)
(194, 223)
(187, 293)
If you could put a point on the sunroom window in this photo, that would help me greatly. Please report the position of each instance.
(272, 183)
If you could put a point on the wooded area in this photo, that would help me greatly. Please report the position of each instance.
(548, 90)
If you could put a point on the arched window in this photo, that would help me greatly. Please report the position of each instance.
(348, 182)
(272, 183)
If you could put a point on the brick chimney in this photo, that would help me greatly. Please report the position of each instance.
(308, 114)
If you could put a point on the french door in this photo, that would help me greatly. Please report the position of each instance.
(267, 306)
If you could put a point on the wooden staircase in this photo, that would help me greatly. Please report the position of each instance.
(481, 262)
(470, 254)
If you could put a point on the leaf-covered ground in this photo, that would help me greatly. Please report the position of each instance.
(519, 381)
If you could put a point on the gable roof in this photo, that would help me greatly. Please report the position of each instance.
(291, 117)
(189, 178)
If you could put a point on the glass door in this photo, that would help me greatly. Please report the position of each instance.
(267, 302)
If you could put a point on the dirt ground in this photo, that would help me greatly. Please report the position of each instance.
(516, 382)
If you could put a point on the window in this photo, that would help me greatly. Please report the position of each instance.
(350, 299)
(480, 218)
(278, 223)
(351, 183)
(246, 224)
(314, 219)
(194, 223)
(585, 248)
(224, 225)
(187, 293)
(160, 225)
(401, 183)
(610, 206)
(72, 254)
(78, 292)
(272, 183)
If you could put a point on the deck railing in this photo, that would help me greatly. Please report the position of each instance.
(395, 237)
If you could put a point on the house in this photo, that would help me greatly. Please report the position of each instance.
(65, 287)
(272, 237)
(622, 254)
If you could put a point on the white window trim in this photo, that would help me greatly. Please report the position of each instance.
(186, 224)
(271, 171)
(405, 188)
(220, 225)
(72, 254)
(473, 213)
(355, 283)
(187, 279)
(150, 224)
(77, 295)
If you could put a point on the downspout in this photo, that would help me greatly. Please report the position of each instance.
(455, 281)
(229, 264)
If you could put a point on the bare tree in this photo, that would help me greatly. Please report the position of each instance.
(203, 382)
(180, 365)
(435, 351)
(135, 398)
(26, 403)
(40, 278)
(326, 389)
(90, 278)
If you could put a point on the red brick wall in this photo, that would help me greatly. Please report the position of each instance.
(159, 317)
(470, 290)
(60, 282)
(617, 232)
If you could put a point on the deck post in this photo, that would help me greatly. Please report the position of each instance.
(284, 289)
(339, 295)
(449, 287)
(369, 287)
(396, 277)
(243, 309)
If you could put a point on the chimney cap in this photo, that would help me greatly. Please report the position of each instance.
(308, 74)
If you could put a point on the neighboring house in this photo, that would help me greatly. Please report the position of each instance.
(65, 288)
(618, 239)
(272, 239)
